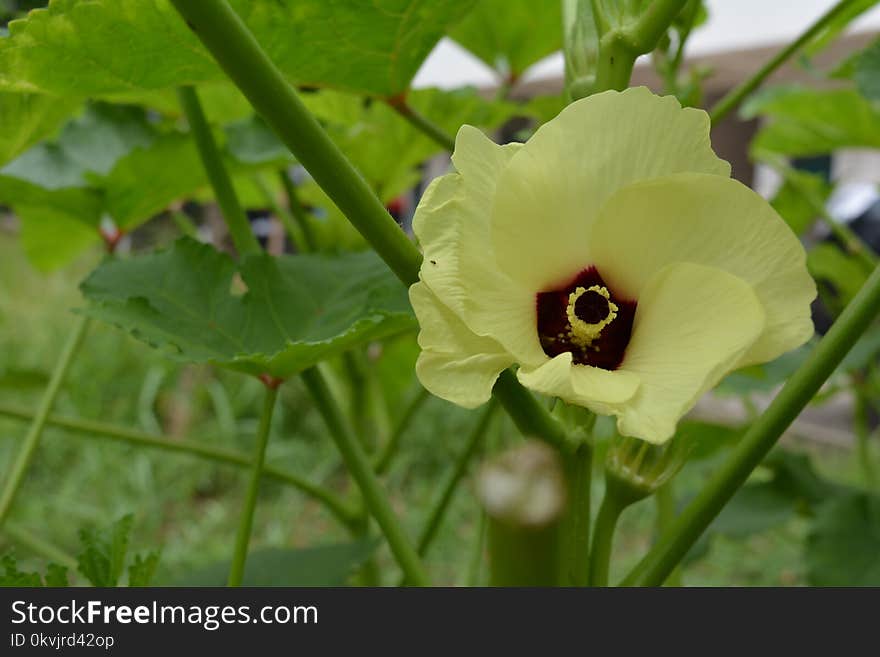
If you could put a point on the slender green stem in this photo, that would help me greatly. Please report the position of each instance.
(671, 548)
(438, 511)
(530, 417)
(246, 520)
(38, 545)
(603, 535)
(299, 213)
(294, 234)
(735, 96)
(576, 523)
(421, 123)
(391, 447)
(92, 429)
(863, 435)
(28, 448)
(249, 67)
(850, 240)
(184, 223)
(236, 220)
(653, 23)
(239, 54)
(358, 464)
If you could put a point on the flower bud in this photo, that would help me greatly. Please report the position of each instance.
(636, 468)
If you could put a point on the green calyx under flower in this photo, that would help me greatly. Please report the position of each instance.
(620, 193)
(637, 468)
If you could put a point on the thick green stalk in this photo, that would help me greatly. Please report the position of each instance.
(620, 47)
(464, 459)
(92, 429)
(299, 213)
(671, 548)
(735, 96)
(39, 546)
(391, 447)
(603, 536)
(421, 123)
(523, 556)
(246, 520)
(236, 220)
(28, 448)
(227, 38)
(240, 56)
(576, 522)
(359, 466)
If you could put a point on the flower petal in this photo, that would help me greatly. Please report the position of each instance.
(712, 221)
(553, 188)
(597, 389)
(692, 325)
(454, 364)
(452, 224)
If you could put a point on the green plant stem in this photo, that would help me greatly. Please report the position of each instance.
(246, 520)
(529, 416)
(294, 234)
(248, 66)
(421, 123)
(620, 47)
(236, 220)
(28, 448)
(438, 511)
(392, 446)
(227, 38)
(359, 466)
(576, 522)
(299, 213)
(39, 546)
(763, 434)
(603, 535)
(92, 429)
(735, 96)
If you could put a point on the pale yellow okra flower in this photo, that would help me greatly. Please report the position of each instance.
(611, 258)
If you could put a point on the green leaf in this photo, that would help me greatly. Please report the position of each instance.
(867, 71)
(843, 547)
(11, 575)
(755, 508)
(143, 569)
(764, 377)
(793, 205)
(327, 565)
(805, 121)
(843, 273)
(27, 118)
(251, 141)
(705, 439)
(76, 48)
(103, 555)
(298, 310)
(511, 35)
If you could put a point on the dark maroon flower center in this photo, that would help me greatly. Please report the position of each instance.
(584, 317)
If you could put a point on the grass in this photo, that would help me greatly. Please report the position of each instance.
(188, 507)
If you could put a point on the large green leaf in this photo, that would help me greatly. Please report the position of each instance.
(27, 118)
(867, 71)
(100, 47)
(792, 203)
(843, 548)
(813, 122)
(326, 565)
(511, 35)
(298, 310)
